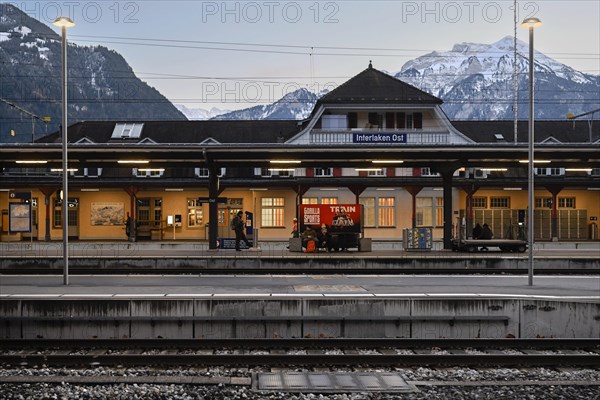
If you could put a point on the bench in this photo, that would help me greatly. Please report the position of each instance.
(362, 244)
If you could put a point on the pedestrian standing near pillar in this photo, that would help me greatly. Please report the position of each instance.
(239, 226)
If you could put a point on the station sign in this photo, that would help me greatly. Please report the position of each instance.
(219, 200)
(26, 196)
(376, 138)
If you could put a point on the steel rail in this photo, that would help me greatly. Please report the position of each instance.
(306, 343)
(246, 360)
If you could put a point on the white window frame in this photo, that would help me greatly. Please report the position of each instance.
(323, 172)
(272, 212)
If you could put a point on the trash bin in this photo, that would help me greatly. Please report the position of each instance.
(417, 239)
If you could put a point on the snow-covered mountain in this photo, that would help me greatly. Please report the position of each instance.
(294, 105)
(476, 82)
(200, 114)
(102, 84)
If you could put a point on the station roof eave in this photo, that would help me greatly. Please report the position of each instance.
(256, 155)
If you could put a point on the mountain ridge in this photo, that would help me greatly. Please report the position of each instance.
(102, 85)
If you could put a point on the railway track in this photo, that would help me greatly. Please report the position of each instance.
(250, 271)
(303, 352)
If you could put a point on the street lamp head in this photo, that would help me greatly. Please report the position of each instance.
(63, 22)
(531, 22)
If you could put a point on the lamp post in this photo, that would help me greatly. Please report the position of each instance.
(530, 23)
(64, 23)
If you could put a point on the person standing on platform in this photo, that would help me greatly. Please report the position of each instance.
(295, 232)
(486, 233)
(238, 226)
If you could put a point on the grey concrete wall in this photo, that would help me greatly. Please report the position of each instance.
(296, 317)
(300, 262)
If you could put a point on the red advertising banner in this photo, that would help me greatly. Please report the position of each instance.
(340, 218)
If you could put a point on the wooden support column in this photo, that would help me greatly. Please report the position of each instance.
(300, 191)
(414, 191)
(132, 191)
(447, 172)
(470, 190)
(213, 207)
(357, 190)
(447, 179)
(47, 191)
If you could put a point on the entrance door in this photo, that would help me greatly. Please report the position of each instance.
(227, 213)
(73, 218)
(73, 230)
(149, 218)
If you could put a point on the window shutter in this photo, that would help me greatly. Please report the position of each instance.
(389, 120)
(400, 120)
(352, 120)
(373, 120)
(418, 120)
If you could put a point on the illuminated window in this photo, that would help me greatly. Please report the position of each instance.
(379, 211)
(195, 213)
(566, 202)
(424, 211)
(499, 202)
(543, 202)
(310, 200)
(386, 211)
(479, 202)
(272, 209)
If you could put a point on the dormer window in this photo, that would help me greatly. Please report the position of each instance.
(127, 131)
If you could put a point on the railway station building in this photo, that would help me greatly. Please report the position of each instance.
(374, 141)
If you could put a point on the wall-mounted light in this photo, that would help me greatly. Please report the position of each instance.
(90, 190)
(133, 161)
(60, 170)
(285, 161)
(535, 161)
(31, 162)
(173, 190)
(387, 161)
(578, 169)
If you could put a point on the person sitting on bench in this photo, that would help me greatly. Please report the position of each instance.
(307, 236)
(325, 239)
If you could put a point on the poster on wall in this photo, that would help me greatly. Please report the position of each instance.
(19, 216)
(340, 218)
(107, 214)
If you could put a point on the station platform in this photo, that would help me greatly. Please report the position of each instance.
(195, 257)
(293, 306)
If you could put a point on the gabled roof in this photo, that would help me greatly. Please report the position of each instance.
(372, 86)
(546, 131)
(225, 132)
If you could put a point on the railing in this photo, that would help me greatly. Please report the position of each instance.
(413, 136)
